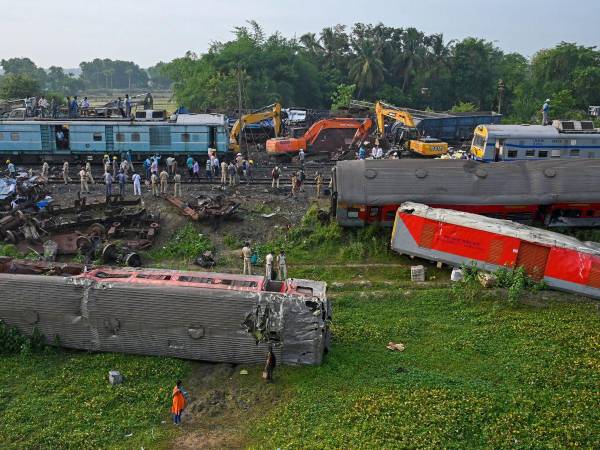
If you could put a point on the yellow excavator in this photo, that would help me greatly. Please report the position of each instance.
(268, 112)
(424, 146)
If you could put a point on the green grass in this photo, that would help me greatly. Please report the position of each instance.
(185, 246)
(60, 399)
(473, 375)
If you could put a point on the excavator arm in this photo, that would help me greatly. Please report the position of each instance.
(383, 110)
(268, 112)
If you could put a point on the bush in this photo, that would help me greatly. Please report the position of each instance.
(186, 244)
(13, 342)
(9, 250)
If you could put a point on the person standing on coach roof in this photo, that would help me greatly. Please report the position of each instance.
(546, 112)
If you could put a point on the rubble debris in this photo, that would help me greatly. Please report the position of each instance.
(206, 260)
(28, 267)
(417, 274)
(487, 280)
(121, 255)
(194, 315)
(456, 274)
(207, 207)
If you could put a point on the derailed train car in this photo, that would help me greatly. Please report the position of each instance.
(456, 238)
(192, 315)
(555, 193)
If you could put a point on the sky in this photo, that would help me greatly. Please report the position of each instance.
(66, 32)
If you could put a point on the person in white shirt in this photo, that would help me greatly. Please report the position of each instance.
(379, 153)
(137, 187)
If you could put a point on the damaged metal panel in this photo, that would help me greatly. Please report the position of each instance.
(227, 318)
(388, 182)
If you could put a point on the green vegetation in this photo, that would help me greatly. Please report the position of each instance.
(185, 246)
(9, 250)
(474, 374)
(62, 399)
(13, 342)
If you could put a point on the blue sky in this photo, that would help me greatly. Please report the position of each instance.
(65, 32)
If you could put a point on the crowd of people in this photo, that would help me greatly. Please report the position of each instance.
(74, 107)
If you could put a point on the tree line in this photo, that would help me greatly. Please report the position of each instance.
(402, 66)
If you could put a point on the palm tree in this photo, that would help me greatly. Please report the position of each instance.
(413, 53)
(367, 69)
(311, 43)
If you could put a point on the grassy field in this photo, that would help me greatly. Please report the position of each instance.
(478, 371)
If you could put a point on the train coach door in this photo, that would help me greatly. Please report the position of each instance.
(533, 259)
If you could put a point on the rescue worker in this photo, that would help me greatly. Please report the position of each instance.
(12, 172)
(215, 166)
(269, 266)
(83, 181)
(65, 172)
(178, 403)
(246, 255)
(362, 153)
(45, 169)
(223, 173)
(281, 262)
(174, 166)
(137, 184)
(154, 166)
(107, 166)
(301, 158)
(170, 160)
(319, 181)
(301, 179)
(546, 112)
(115, 166)
(147, 164)
(190, 165)
(154, 184)
(177, 181)
(208, 170)
(249, 171)
(275, 175)
(231, 171)
(122, 179)
(196, 170)
(294, 184)
(270, 365)
(88, 172)
(108, 180)
(105, 159)
(164, 181)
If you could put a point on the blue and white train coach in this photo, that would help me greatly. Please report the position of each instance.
(563, 139)
(79, 139)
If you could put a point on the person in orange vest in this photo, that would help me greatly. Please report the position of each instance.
(178, 403)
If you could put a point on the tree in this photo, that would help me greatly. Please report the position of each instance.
(14, 86)
(24, 66)
(367, 68)
(342, 96)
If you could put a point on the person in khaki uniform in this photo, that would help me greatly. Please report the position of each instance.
(83, 179)
(164, 182)
(45, 169)
(88, 172)
(247, 254)
(223, 173)
(319, 181)
(154, 184)
(65, 172)
(282, 263)
(177, 181)
(294, 185)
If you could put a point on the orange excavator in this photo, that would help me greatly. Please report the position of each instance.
(318, 139)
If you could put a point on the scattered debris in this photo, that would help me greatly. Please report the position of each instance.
(115, 377)
(206, 260)
(456, 275)
(487, 280)
(207, 207)
(399, 347)
(417, 273)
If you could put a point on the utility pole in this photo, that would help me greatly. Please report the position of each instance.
(500, 95)
(239, 80)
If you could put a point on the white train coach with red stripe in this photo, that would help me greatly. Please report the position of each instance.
(457, 238)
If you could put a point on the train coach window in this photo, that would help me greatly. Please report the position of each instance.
(185, 137)
(352, 213)
(14, 136)
(135, 137)
(555, 154)
(97, 137)
(543, 154)
(373, 212)
(513, 153)
(153, 276)
(530, 153)
(574, 152)
(112, 275)
(189, 279)
(120, 137)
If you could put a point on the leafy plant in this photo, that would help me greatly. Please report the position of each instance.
(187, 244)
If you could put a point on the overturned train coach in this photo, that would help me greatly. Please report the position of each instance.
(192, 315)
(553, 193)
(456, 238)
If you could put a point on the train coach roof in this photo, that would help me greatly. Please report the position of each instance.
(389, 182)
(499, 226)
(522, 131)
